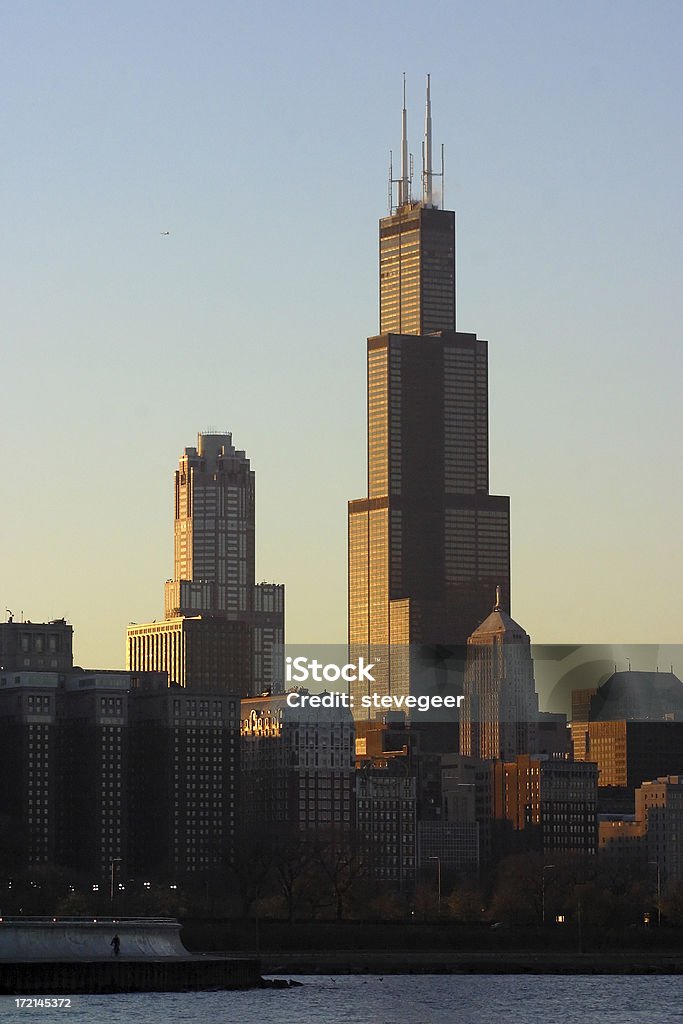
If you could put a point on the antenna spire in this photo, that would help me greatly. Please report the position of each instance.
(427, 172)
(404, 180)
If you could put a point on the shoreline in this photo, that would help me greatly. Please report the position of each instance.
(410, 962)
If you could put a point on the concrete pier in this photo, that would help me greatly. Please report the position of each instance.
(58, 956)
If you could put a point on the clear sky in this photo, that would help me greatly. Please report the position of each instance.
(258, 136)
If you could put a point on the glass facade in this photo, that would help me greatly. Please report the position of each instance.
(214, 529)
(429, 544)
(417, 271)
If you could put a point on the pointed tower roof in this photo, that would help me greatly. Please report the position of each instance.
(499, 624)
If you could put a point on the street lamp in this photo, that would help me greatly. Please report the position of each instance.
(438, 879)
(659, 892)
(545, 868)
(114, 862)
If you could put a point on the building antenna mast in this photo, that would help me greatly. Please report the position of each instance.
(404, 183)
(427, 191)
(428, 172)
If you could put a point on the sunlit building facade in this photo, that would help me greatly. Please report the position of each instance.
(428, 545)
(213, 606)
(630, 753)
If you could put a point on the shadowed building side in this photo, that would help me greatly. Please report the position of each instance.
(429, 544)
(499, 716)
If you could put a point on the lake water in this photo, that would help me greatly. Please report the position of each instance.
(414, 999)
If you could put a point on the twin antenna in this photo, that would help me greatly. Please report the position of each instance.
(404, 183)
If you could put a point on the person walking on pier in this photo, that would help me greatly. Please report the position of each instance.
(116, 945)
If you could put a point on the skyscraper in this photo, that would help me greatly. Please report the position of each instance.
(499, 716)
(217, 618)
(428, 544)
(214, 558)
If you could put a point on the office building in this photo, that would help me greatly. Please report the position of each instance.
(553, 735)
(499, 715)
(92, 829)
(453, 844)
(548, 804)
(429, 543)
(29, 764)
(659, 805)
(631, 696)
(64, 746)
(623, 839)
(184, 779)
(297, 766)
(386, 821)
(630, 753)
(208, 652)
(221, 629)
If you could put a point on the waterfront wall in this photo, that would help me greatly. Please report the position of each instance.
(73, 977)
(88, 938)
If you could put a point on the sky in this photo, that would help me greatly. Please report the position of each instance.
(258, 136)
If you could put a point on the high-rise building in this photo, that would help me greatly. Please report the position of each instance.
(184, 758)
(214, 560)
(214, 610)
(499, 715)
(28, 763)
(429, 543)
(64, 746)
(93, 795)
(297, 766)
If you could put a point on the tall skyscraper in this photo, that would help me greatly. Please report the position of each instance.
(429, 544)
(214, 557)
(222, 629)
(499, 716)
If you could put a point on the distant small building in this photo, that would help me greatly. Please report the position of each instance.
(553, 800)
(455, 844)
(386, 802)
(622, 838)
(628, 753)
(659, 805)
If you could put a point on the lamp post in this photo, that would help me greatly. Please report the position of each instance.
(545, 868)
(114, 862)
(659, 892)
(438, 880)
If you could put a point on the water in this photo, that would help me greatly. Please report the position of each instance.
(414, 999)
